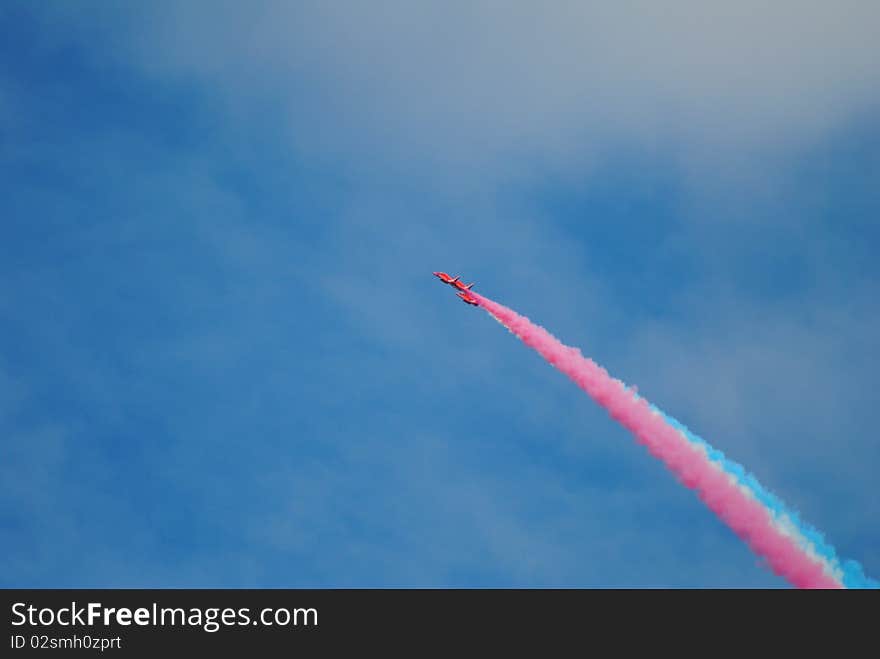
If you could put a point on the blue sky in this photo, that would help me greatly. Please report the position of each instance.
(225, 362)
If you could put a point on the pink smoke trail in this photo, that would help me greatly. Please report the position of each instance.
(748, 518)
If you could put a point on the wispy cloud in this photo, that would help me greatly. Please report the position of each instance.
(484, 82)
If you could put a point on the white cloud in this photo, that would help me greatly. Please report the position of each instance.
(468, 82)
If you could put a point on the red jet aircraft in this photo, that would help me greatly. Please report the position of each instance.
(453, 281)
(467, 298)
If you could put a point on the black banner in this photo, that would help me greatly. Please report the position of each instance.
(124, 622)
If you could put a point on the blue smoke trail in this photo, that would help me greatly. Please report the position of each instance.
(852, 574)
